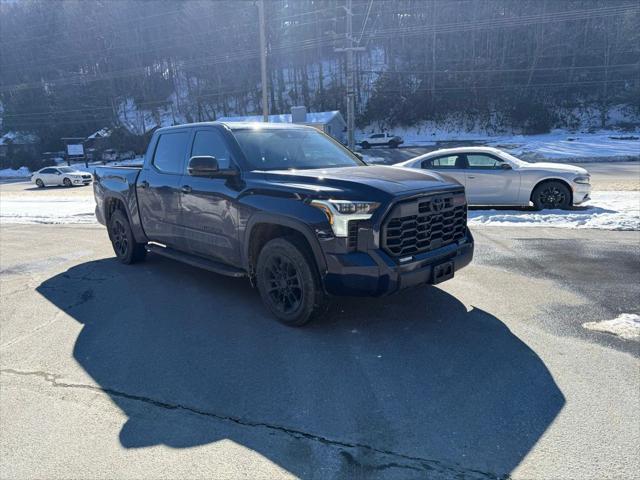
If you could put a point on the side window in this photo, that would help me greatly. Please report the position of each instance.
(481, 161)
(378, 135)
(48, 170)
(211, 143)
(441, 162)
(170, 150)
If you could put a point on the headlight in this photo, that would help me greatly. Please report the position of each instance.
(584, 179)
(339, 212)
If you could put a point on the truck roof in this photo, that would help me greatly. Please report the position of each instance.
(240, 125)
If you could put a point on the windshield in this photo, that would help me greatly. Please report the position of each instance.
(292, 149)
(66, 169)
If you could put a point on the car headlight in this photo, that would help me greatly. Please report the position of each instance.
(584, 179)
(340, 212)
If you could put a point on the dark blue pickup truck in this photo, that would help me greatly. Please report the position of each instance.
(288, 207)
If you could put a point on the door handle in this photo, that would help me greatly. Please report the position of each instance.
(186, 189)
(471, 176)
(144, 184)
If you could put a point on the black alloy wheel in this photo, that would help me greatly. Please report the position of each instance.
(284, 284)
(551, 195)
(288, 281)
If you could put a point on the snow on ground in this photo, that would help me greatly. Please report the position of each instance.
(11, 173)
(605, 211)
(47, 209)
(626, 326)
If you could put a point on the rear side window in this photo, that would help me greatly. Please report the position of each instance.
(48, 170)
(170, 151)
(211, 143)
(441, 162)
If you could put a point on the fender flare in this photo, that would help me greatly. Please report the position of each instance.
(298, 226)
(134, 219)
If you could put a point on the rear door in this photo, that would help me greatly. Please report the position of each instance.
(158, 187)
(452, 166)
(489, 183)
(209, 215)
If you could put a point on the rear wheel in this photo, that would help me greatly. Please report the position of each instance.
(551, 195)
(126, 248)
(67, 182)
(39, 183)
(288, 281)
(365, 145)
(393, 144)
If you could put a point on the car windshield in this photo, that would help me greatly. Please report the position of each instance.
(289, 149)
(66, 169)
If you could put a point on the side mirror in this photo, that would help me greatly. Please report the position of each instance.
(206, 166)
(505, 166)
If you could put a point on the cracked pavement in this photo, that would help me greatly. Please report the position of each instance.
(160, 370)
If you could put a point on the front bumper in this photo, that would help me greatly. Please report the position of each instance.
(81, 181)
(375, 273)
(581, 192)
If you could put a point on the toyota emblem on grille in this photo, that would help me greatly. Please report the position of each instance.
(437, 204)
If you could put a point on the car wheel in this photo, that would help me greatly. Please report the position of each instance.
(39, 183)
(66, 182)
(126, 248)
(288, 281)
(551, 195)
(365, 145)
(393, 144)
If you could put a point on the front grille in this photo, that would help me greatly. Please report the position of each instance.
(424, 224)
(352, 239)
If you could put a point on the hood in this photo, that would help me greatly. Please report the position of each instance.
(555, 167)
(354, 181)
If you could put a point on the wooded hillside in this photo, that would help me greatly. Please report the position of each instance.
(68, 67)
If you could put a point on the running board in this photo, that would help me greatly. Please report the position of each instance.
(196, 261)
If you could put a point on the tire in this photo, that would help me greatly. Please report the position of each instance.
(67, 182)
(393, 144)
(551, 195)
(39, 183)
(288, 281)
(365, 145)
(126, 248)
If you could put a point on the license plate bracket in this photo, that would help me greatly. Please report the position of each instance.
(443, 271)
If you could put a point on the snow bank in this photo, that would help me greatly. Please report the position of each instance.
(11, 173)
(626, 326)
(606, 211)
(46, 209)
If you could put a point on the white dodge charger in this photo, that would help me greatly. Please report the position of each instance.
(493, 177)
(66, 176)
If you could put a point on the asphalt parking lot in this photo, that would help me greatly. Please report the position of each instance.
(160, 370)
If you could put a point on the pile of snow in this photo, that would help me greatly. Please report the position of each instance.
(45, 209)
(626, 326)
(11, 173)
(606, 211)
(560, 145)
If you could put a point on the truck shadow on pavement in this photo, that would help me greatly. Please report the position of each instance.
(415, 379)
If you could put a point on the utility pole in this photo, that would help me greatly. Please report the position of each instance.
(263, 62)
(349, 49)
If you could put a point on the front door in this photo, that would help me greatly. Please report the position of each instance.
(491, 181)
(158, 188)
(208, 214)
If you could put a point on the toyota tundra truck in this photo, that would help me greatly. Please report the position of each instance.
(298, 214)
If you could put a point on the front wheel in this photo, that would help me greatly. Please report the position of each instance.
(551, 195)
(288, 281)
(39, 183)
(66, 182)
(126, 248)
(393, 144)
(365, 145)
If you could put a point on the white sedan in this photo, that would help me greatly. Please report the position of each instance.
(66, 176)
(493, 177)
